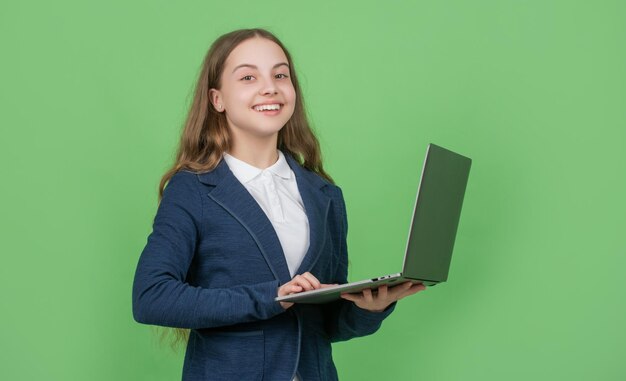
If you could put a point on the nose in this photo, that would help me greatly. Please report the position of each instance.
(268, 88)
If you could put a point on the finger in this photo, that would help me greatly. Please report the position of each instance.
(295, 288)
(352, 297)
(289, 289)
(303, 282)
(312, 279)
(383, 292)
(323, 285)
(394, 290)
(367, 296)
(416, 288)
(411, 291)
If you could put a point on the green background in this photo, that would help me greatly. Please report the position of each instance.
(93, 96)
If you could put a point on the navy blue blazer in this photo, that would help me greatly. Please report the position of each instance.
(213, 263)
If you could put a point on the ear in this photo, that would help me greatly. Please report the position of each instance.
(215, 96)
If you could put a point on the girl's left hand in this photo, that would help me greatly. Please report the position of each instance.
(384, 297)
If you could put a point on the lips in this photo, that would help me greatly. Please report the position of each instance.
(268, 107)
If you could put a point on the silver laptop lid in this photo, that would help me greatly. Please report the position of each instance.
(436, 214)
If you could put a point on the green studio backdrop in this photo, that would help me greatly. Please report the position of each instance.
(93, 96)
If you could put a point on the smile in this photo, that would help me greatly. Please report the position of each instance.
(270, 107)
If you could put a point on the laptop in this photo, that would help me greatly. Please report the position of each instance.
(432, 230)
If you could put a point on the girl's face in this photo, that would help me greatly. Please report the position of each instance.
(255, 73)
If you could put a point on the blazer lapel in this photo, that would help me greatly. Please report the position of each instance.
(316, 205)
(236, 200)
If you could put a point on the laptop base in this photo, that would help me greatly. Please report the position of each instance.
(328, 294)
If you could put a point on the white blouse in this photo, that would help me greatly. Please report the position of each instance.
(276, 191)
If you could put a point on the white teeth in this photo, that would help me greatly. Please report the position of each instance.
(267, 107)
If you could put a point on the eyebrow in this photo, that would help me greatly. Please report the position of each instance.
(255, 67)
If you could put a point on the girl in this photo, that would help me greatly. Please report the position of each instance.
(249, 214)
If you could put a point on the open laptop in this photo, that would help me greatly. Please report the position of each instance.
(432, 231)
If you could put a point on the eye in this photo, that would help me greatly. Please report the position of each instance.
(283, 75)
(247, 76)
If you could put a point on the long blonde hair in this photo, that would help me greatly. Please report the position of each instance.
(205, 136)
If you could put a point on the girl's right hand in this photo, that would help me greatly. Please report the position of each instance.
(299, 283)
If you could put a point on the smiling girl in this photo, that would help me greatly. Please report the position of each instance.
(249, 214)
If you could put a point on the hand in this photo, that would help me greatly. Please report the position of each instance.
(299, 283)
(384, 297)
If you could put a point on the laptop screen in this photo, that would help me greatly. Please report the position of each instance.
(436, 214)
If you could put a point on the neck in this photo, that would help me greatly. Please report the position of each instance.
(258, 152)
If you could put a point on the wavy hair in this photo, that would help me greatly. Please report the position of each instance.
(205, 135)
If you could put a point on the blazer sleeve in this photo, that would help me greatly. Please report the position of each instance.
(160, 294)
(344, 320)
